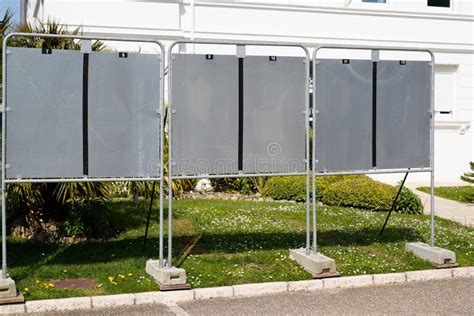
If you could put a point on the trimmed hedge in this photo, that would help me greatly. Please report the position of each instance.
(286, 188)
(363, 193)
(358, 191)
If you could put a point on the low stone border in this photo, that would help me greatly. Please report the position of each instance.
(241, 290)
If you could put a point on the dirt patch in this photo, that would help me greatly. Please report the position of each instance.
(74, 283)
(184, 227)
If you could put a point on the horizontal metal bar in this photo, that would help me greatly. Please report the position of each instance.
(249, 43)
(381, 171)
(79, 180)
(239, 175)
(384, 48)
(87, 37)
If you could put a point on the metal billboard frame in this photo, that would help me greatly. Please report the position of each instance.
(237, 175)
(375, 171)
(4, 109)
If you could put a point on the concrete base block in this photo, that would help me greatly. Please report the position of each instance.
(318, 265)
(7, 288)
(8, 293)
(439, 257)
(167, 278)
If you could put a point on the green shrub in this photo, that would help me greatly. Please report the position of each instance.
(242, 185)
(408, 202)
(286, 188)
(294, 188)
(365, 193)
(91, 220)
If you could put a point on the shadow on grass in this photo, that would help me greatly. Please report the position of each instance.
(29, 255)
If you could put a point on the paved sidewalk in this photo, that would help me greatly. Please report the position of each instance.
(453, 296)
(449, 209)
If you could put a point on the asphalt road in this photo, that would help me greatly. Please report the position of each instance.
(455, 296)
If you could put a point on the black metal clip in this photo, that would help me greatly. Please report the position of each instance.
(403, 62)
(346, 61)
(46, 51)
(272, 58)
(209, 56)
(123, 55)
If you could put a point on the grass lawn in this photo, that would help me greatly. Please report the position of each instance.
(231, 242)
(463, 194)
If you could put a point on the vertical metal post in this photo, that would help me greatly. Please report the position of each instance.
(162, 144)
(314, 161)
(4, 211)
(169, 262)
(307, 152)
(432, 153)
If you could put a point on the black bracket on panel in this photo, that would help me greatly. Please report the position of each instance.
(403, 62)
(346, 61)
(241, 115)
(374, 114)
(272, 58)
(85, 114)
(123, 55)
(209, 56)
(46, 51)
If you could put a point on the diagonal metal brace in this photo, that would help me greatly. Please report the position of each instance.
(393, 204)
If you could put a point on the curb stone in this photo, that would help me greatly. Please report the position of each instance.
(259, 288)
(113, 300)
(241, 290)
(61, 304)
(347, 282)
(426, 275)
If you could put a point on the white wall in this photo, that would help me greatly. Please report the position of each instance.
(398, 23)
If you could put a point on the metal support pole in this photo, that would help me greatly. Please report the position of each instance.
(152, 195)
(307, 152)
(393, 204)
(4, 211)
(162, 145)
(432, 152)
(315, 235)
(169, 262)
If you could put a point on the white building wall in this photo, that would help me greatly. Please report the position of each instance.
(398, 23)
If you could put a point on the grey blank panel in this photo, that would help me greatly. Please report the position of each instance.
(274, 123)
(44, 126)
(403, 118)
(205, 125)
(344, 124)
(124, 128)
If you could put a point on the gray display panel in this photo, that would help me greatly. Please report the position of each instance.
(205, 124)
(343, 94)
(403, 117)
(124, 96)
(274, 121)
(44, 124)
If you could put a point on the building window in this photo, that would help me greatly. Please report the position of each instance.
(375, 1)
(439, 3)
(445, 89)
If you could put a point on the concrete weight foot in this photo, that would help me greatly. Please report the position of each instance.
(168, 278)
(8, 293)
(438, 257)
(319, 265)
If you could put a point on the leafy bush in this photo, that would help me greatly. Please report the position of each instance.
(294, 188)
(362, 193)
(242, 185)
(365, 193)
(286, 188)
(408, 202)
(358, 191)
(91, 220)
